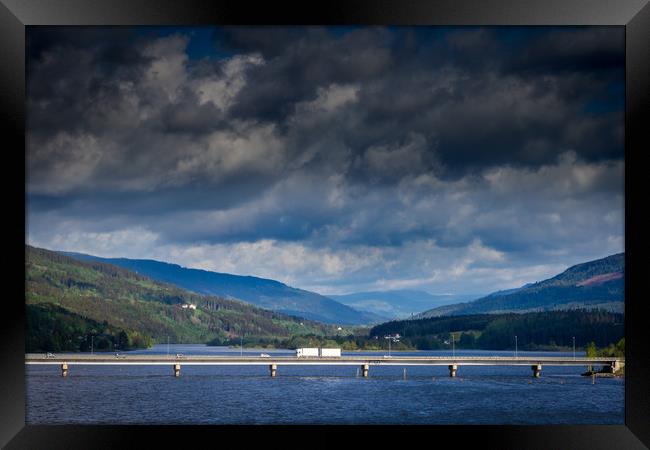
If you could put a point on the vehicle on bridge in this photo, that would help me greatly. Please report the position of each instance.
(303, 352)
(318, 352)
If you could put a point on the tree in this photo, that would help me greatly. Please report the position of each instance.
(467, 340)
(123, 340)
(620, 347)
(591, 350)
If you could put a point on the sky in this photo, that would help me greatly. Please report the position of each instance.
(335, 159)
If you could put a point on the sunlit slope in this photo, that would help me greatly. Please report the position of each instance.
(594, 284)
(116, 297)
(262, 292)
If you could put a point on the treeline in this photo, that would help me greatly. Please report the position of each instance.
(551, 329)
(548, 296)
(54, 329)
(617, 349)
(349, 342)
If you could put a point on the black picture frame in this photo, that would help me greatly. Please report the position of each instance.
(634, 15)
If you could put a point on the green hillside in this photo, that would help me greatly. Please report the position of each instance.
(70, 299)
(261, 292)
(598, 284)
(54, 329)
(549, 329)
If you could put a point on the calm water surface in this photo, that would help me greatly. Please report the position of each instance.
(319, 394)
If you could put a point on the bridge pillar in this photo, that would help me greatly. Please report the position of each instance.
(64, 370)
(615, 366)
(177, 370)
(364, 370)
(537, 370)
(452, 370)
(273, 369)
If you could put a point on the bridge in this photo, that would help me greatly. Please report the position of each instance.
(610, 364)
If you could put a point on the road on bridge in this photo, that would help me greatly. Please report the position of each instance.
(611, 364)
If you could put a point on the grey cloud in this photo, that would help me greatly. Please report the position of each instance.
(314, 60)
(507, 214)
(369, 138)
(469, 120)
(589, 49)
(190, 117)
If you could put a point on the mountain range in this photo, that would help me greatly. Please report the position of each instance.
(262, 292)
(130, 304)
(67, 300)
(399, 304)
(594, 284)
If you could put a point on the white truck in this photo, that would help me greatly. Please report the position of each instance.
(316, 352)
(330, 352)
(302, 352)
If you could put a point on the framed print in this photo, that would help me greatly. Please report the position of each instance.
(349, 220)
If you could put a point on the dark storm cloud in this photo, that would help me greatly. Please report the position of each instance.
(476, 101)
(114, 41)
(270, 40)
(300, 62)
(500, 105)
(579, 49)
(189, 117)
(74, 76)
(362, 151)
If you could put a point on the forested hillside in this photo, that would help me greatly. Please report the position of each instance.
(70, 298)
(549, 329)
(51, 328)
(261, 292)
(598, 284)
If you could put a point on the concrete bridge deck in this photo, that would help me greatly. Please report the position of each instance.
(535, 362)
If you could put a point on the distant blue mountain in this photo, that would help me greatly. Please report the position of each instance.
(262, 292)
(399, 304)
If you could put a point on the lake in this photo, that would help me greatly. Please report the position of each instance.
(320, 394)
